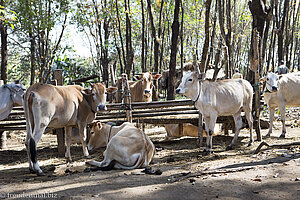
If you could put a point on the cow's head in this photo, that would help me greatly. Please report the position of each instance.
(271, 80)
(98, 138)
(96, 96)
(147, 85)
(189, 85)
(17, 91)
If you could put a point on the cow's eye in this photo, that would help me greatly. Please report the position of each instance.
(190, 79)
(93, 93)
(268, 79)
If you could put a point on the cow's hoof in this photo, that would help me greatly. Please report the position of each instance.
(40, 173)
(282, 135)
(206, 152)
(230, 147)
(268, 135)
(31, 171)
(69, 160)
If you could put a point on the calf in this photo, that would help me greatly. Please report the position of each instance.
(281, 91)
(219, 98)
(127, 147)
(57, 107)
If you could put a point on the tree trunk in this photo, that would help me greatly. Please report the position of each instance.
(280, 31)
(172, 66)
(121, 38)
(143, 38)
(129, 49)
(206, 41)
(32, 58)
(259, 12)
(4, 53)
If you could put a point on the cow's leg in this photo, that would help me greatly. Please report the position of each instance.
(3, 140)
(37, 134)
(209, 128)
(206, 121)
(28, 153)
(238, 124)
(282, 116)
(68, 135)
(82, 132)
(272, 111)
(250, 123)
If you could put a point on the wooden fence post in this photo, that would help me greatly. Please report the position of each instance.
(127, 98)
(57, 76)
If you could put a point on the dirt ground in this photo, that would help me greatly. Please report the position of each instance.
(270, 174)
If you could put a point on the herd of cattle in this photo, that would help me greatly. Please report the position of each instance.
(127, 147)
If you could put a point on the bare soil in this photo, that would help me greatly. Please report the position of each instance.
(270, 174)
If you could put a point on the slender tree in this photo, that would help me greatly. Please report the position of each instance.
(4, 53)
(172, 66)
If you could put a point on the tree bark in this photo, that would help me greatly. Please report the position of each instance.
(206, 41)
(121, 38)
(281, 30)
(129, 49)
(260, 13)
(172, 65)
(143, 38)
(4, 53)
(32, 57)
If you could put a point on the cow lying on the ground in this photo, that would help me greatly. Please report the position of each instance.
(219, 98)
(127, 147)
(281, 91)
(188, 130)
(57, 107)
(140, 90)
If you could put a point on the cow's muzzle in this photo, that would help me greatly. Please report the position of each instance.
(177, 91)
(147, 91)
(102, 107)
(274, 89)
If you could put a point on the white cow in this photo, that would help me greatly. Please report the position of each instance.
(11, 94)
(281, 91)
(219, 98)
(127, 147)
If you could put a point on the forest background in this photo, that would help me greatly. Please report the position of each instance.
(107, 38)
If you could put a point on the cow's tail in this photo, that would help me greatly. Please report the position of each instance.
(110, 166)
(32, 148)
(28, 101)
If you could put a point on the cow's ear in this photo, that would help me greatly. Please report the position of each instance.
(16, 88)
(111, 90)
(137, 77)
(157, 76)
(99, 125)
(200, 76)
(86, 91)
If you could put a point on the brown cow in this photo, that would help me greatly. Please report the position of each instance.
(188, 130)
(141, 90)
(57, 107)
